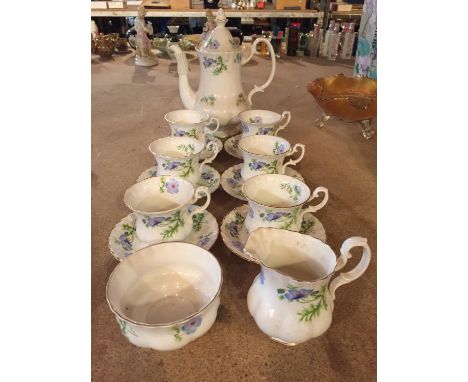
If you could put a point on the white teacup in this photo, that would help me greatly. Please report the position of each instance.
(264, 154)
(191, 123)
(161, 204)
(263, 122)
(276, 201)
(165, 295)
(179, 156)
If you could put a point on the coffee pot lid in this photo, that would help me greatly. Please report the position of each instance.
(219, 39)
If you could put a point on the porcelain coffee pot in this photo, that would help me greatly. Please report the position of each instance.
(220, 90)
(291, 300)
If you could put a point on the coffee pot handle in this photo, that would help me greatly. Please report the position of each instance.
(199, 193)
(287, 115)
(295, 149)
(358, 270)
(211, 146)
(212, 119)
(261, 88)
(317, 207)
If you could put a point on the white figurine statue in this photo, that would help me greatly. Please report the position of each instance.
(144, 56)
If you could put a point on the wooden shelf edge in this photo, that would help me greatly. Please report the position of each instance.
(202, 12)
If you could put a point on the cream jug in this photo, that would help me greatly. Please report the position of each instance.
(291, 300)
(220, 91)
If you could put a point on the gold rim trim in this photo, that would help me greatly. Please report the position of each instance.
(264, 205)
(206, 306)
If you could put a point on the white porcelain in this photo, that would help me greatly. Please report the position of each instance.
(232, 182)
(208, 152)
(161, 207)
(143, 54)
(231, 145)
(165, 296)
(276, 201)
(123, 241)
(292, 299)
(179, 156)
(263, 122)
(191, 123)
(220, 91)
(209, 177)
(265, 154)
(234, 233)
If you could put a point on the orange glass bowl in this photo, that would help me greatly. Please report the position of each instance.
(351, 99)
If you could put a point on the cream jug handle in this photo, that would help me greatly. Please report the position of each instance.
(199, 192)
(287, 115)
(211, 146)
(211, 120)
(294, 161)
(317, 207)
(358, 270)
(261, 88)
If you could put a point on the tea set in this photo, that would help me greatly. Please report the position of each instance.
(165, 292)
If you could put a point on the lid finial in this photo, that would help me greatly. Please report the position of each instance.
(220, 17)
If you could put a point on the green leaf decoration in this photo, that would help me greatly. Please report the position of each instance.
(187, 169)
(162, 185)
(220, 66)
(174, 224)
(306, 225)
(209, 100)
(198, 221)
(177, 335)
(292, 191)
(240, 99)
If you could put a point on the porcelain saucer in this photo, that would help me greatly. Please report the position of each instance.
(232, 146)
(209, 177)
(207, 153)
(123, 240)
(232, 182)
(235, 235)
(228, 131)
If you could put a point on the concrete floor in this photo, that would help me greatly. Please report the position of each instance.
(128, 105)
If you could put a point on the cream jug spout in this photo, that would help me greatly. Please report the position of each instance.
(187, 94)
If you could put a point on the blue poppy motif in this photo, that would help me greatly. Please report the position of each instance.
(191, 326)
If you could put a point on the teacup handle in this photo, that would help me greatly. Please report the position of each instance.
(199, 193)
(317, 207)
(214, 147)
(358, 270)
(294, 161)
(287, 115)
(212, 119)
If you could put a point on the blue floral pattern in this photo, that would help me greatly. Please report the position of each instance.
(265, 131)
(265, 167)
(183, 133)
(172, 186)
(235, 225)
(188, 328)
(256, 119)
(287, 218)
(315, 298)
(293, 191)
(213, 44)
(262, 276)
(279, 148)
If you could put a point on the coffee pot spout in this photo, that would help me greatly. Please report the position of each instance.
(187, 94)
